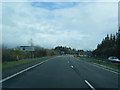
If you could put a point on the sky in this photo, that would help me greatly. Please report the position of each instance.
(80, 25)
(59, 0)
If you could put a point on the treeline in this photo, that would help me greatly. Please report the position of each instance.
(68, 50)
(65, 50)
(14, 54)
(110, 46)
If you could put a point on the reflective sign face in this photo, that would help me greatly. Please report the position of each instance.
(27, 48)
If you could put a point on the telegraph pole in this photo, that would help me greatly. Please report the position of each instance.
(32, 45)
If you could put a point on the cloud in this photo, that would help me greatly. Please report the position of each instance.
(69, 24)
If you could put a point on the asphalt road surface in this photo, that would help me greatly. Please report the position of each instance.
(64, 72)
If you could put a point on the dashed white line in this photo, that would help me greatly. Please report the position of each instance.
(11, 76)
(72, 67)
(89, 85)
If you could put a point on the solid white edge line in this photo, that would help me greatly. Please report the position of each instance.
(106, 69)
(93, 64)
(89, 85)
(11, 76)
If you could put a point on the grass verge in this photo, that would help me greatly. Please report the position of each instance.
(6, 65)
(108, 64)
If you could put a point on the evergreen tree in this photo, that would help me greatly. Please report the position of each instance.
(107, 47)
(118, 43)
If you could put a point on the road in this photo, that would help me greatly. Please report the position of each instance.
(64, 72)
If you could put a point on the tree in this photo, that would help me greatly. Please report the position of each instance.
(39, 51)
(107, 47)
(118, 43)
(65, 50)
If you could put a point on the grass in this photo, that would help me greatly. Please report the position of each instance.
(6, 65)
(108, 64)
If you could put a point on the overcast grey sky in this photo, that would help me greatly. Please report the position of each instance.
(80, 25)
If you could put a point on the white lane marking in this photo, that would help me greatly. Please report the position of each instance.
(68, 61)
(11, 76)
(99, 67)
(106, 69)
(90, 85)
(72, 67)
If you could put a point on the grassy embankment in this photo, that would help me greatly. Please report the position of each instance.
(6, 65)
(108, 64)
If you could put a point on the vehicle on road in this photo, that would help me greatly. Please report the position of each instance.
(113, 58)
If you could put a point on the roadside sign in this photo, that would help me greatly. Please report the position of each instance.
(27, 48)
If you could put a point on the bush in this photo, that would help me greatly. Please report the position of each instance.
(13, 55)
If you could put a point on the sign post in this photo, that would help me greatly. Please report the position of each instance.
(28, 48)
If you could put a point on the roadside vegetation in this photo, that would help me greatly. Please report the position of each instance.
(110, 46)
(14, 54)
(12, 57)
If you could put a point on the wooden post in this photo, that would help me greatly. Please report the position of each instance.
(17, 58)
(32, 54)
